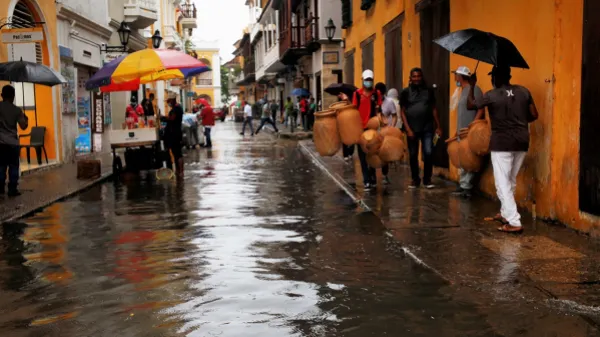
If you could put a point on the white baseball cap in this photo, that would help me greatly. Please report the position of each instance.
(367, 74)
(462, 70)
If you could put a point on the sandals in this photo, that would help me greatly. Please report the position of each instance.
(497, 218)
(510, 229)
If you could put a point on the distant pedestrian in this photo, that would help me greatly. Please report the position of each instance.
(310, 117)
(291, 114)
(266, 118)
(173, 136)
(421, 122)
(247, 119)
(368, 101)
(303, 108)
(134, 110)
(465, 116)
(10, 117)
(511, 109)
(390, 118)
(207, 116)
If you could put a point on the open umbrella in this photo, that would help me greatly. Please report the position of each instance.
(160, 75)
(300, 92)
(142, 63)
(483, 46)
(24, 71)
(338, 88)
(203, 101)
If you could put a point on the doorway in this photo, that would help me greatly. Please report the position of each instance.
(318, 90)
(435, 62)
(589, 161)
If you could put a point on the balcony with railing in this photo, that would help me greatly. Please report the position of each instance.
(249, 72)
(172, 38)
(140, 14)
(292, 43)
(311, 30)
(188, 15)
(204, 82)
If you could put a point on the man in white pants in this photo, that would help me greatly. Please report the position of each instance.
(511, 109)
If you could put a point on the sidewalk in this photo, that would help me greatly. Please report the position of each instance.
(547, 263)
(45, 187)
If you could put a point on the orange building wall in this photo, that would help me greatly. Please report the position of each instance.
(44, 102)
(548, 33)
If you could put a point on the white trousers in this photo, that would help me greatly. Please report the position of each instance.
(506, 167)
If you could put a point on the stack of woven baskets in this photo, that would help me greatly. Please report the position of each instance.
(470, 145)
(342, 124)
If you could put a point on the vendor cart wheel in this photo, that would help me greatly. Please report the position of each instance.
(117, 165)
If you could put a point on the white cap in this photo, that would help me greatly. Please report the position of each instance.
(462, 70)
(367, 74)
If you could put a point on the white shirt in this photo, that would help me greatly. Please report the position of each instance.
(248, 110)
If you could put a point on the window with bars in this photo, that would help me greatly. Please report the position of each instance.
(349, 68)
(346, 14)
(367, 53)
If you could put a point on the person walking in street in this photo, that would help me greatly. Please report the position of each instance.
(303, 108)
(274, 108)
(10, 117)
(421, 122)
(511, 109)
(207, 116)
(290, 114)
(465, 116)
(368, 101)
(390, 118)
(173, 136)
(247, 119)
(266, 118)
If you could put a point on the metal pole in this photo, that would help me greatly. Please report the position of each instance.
(34, 105)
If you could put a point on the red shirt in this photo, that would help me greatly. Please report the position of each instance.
(365, 105)
(208, 116)
(134, 113)
(303, 106)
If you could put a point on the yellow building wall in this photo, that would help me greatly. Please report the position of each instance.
(548, 33)
(206, 91)
(45, 111)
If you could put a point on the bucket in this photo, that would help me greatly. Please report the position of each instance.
(325, 133)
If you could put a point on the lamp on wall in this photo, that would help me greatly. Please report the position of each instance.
(124, 34)
(156, 39)
(330, 29)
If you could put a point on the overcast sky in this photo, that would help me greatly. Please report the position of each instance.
(222, 21)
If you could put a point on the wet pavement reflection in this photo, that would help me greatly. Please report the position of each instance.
(255, 241)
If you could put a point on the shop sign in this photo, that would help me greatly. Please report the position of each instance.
(98, 113)
(22, 35)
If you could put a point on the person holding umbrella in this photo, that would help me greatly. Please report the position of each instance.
(511, 109)
(10, 117)
(421, 121)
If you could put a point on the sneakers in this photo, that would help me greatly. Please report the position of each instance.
(414, 185)
(14, 193)
(386, 180)
(458, 192)
(429, 185)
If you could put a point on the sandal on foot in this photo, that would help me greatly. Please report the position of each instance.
(497, 218)
(510, 229)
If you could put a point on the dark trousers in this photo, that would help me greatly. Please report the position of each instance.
(425, 138)
(348, 150)
(9, 161)
(303, 116)
(385, 169)
(368, 173)
(248, 121)
(173, 146)
(264, 121)
(310, 121)
(207, 135)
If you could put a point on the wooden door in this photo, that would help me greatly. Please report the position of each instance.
(589, 142)
(368, 58)
(393, 54)
(435, 62)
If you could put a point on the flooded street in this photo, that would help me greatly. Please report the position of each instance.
(255, 241)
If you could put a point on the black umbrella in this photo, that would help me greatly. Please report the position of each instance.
(483, 46)
(24, 71)
(337, 88)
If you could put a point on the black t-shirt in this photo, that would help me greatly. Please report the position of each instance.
(509, 113)
(173, 130)
(419, 103)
